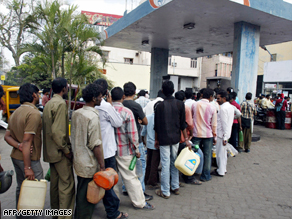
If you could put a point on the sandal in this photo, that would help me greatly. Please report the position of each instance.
(151, 187)
(159, 193)
(123, 215)
(196, 182)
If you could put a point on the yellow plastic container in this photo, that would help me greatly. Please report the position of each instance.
(32, 194)
(187, 162)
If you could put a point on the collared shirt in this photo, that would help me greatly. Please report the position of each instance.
(55, 130)
(109, 119)
(205, 119)
(234, 103)
(149, 108)
(248, 109)
(26, 119)
(169, 121)
(283, 108)
(142, 101)
(189, 103)
(127, 135)
(189, 122)
(225, 121)
(85, 136)
(267, 103)
(137, 112)
(148, 131)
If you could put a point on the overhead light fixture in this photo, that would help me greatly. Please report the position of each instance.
(200, 50)
(145, 42)
(189, 26)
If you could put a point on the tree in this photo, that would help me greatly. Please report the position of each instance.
(16, 25)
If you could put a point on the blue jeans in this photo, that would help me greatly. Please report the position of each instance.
(200, 167)
(168, 156)
(111, 201)
(143, 161)
(207, 144)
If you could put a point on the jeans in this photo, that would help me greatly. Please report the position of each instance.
(207, 144)
(153, 160)
(280, 119)
(234, 135)
(143, 160)
(168, 155)
(20, 176)
(110, 200)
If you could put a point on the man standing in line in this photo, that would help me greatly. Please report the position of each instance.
(189, 101)
(140, 118)
(236, 123)
(45, 96)
(149, 108)
(229, 91)
(109, 120)
(224, 126)
(57, 148)
(169, 120)
(142, 100)
(24, 135)
(205, 129)
(87, 149)
(281, 105)
(248, 111)
(128, 146)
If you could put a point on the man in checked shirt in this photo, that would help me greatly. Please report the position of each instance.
(128, 145)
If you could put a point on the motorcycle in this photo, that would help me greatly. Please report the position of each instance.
(261, 116)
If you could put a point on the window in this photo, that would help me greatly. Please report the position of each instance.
(194, 63)
(169, 60)
(273, 57)
(128, 61)
(105, 55)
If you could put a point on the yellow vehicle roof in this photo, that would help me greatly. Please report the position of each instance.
(13, 89)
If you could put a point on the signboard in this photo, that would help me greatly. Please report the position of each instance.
(271, 86)
(280, 71)
(2, 77)
(106, 19)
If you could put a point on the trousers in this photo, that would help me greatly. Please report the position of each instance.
(221, 157)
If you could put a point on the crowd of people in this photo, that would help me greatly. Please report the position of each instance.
(109, 133)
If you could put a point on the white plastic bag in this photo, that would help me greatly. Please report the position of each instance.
(231, 150)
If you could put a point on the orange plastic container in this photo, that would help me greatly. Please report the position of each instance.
(106, 179)
(94, 193)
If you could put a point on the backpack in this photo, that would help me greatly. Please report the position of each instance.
(279, 106)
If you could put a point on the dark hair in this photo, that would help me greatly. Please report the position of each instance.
(103, 83)
(161, 94)
(202, 90)
(232, 95)
(248, 96)
(207, 93)
(156, 104)
(223, 94)
(230, 89)
(129, 89)
(91, 91)
(26, 91)
(180, 95)
(268, 95)
(58, 85)
(168, 88)
(1, 92)
(189, 93)
(117, 93)
(142, 93)
(46, 90)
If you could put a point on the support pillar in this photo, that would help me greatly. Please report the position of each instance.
(159, 68)
(245, 59)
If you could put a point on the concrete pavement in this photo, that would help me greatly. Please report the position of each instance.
(257, 185)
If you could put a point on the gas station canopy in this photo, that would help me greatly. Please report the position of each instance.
(160, 24)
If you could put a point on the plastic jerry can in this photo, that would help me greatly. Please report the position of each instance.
(5, 180)
(187, 162)
(32, 194)
(106, 179)
(94, 193)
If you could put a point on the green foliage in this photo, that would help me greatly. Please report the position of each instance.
(32, 70)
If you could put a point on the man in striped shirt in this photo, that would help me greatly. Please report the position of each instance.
(128, 146)
(205, 125)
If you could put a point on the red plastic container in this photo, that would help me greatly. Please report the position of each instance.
(271, 119)
(106, 179)
(288, 120)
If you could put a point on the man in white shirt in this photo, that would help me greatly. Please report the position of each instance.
(149, 108)
(189, 101)
(109, 119)
(266, 103)
(224, 125)
(142, 100)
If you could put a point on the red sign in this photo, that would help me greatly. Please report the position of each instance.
(106, 19)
